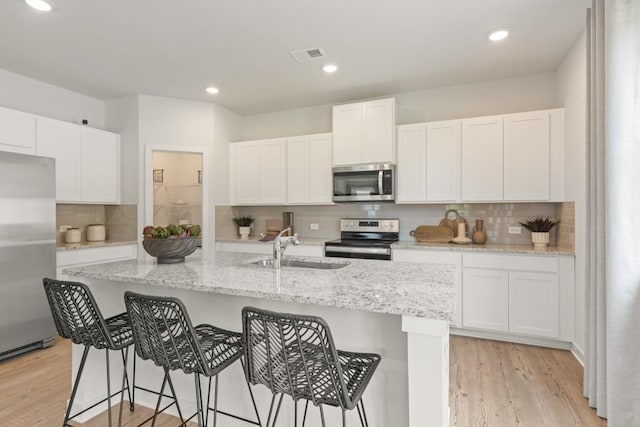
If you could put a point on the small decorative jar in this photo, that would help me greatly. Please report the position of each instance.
(72, 235)
(479, 236)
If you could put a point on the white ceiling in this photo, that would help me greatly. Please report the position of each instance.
(113, 48)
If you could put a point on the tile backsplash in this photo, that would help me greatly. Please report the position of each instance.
(497, 218)
(120, 221)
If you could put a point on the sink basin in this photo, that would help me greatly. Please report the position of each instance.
(302, 264)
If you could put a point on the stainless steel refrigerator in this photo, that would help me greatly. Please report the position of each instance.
(27, 251)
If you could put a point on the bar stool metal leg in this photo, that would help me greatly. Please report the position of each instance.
(322, 416)
(199, 400)
(108, 385)
(75, 385)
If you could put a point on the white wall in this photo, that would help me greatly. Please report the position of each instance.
(168, 122)
(226, 130)
(534, 92)
(122, 117)
(572, 92)
(32, 96)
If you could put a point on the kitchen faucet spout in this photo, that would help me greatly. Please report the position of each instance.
(280, 243)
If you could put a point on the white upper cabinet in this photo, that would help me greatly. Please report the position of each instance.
(482, 159)
(443, 161)
(429, 162)
(347, 134)
(87, 161)
(272, 171)
(62, 141)
(309, 179)
(100, 166)
(258, 172)
(378, 126)
(297, 169)
(526, 156)
(364, 132)
(244, 166)
(412, 163)
(17, 131)
(281, 171)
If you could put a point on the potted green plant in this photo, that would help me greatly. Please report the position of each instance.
(539, 227)
(244, 226)
(171, 244)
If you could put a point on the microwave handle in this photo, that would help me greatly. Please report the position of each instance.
(380, 188)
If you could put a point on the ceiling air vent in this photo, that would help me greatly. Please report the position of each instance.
(308, 54)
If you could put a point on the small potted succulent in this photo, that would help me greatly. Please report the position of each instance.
(171, 244)
(244, 226)
(539, 228)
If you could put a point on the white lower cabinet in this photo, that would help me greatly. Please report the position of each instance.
(485, 300)
(511, 293)
(534, 304)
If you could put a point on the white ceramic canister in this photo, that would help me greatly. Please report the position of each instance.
(72, 235)
(96, 233)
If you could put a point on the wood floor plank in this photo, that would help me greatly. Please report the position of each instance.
(504, 384)
(492, 384)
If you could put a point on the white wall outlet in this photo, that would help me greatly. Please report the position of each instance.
(64, 228)
(367, 207)
(314, 226)
(376, 207)
(515, 230)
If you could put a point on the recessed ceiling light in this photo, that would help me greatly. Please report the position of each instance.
(497, 35)
(212, 90)
(330, 68)
(40, 5)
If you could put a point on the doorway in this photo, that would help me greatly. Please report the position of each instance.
(176, 187)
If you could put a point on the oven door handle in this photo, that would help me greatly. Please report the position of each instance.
(380, 187)
(353, 250)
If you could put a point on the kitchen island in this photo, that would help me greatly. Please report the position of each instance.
(400, 310)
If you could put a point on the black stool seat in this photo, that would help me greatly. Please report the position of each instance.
(164, 334)
(295, 355)
(78, 318)
(220, 347)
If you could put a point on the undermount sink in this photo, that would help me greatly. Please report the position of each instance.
(302, 264)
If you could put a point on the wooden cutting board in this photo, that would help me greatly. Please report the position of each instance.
(432, 234)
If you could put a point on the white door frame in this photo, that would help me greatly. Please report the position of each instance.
(148, 185)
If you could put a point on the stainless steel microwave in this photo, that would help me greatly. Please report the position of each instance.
(364, 183)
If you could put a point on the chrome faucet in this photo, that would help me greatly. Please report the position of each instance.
(280, 243)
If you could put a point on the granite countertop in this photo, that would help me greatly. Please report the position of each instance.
(490, 248)
(412, 244)
(87, 245)
(412, 289)
(255, 239)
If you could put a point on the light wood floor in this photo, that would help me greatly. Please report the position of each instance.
(491, 384)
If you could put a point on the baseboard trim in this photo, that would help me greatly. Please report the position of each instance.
(578, 353)
(519, 339)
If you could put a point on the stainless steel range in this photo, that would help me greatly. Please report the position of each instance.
(369, 238)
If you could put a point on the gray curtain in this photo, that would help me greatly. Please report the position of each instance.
(595, 378)
(612, 365)
(622, 25)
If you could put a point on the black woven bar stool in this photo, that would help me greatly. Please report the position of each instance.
(163, 333)
(295, 355)
(78, 318)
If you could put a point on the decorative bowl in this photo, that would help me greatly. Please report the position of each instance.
(170, 251)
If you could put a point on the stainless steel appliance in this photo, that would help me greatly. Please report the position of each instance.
(364, 238)
(364, 183)
(27, 251)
